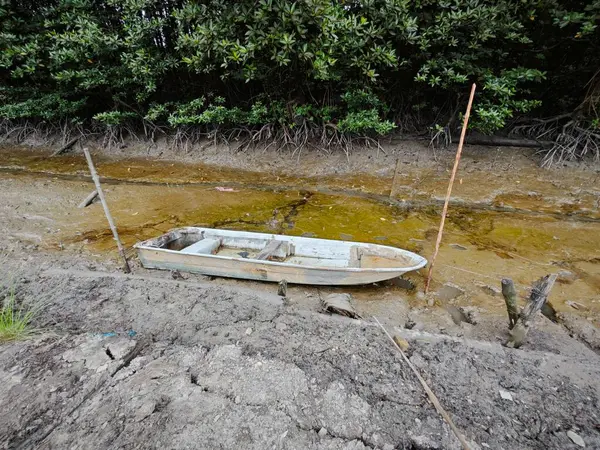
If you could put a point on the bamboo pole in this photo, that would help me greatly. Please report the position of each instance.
(432, 397)
(111, 223)
(454, 169)
(395, 179)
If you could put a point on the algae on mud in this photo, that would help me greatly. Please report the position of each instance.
(150, 197)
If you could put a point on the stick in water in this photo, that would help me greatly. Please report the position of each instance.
(454, 169)
(106, 211)
(432, 397)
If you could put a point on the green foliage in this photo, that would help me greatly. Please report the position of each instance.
(15, 322)
(114, 118)
(357, 65)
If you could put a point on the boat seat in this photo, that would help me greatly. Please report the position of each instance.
(275, 248)
(204, 246)
(355, 255)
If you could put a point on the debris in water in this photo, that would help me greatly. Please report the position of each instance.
(458, 247)
(576, 305)
(225, 189)
(340, 304)
(346, 237)
(577, 440)
(506, 395)
(243, 254)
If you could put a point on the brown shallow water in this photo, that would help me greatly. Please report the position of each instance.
(520, 225)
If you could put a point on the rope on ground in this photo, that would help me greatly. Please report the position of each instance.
(432, 397)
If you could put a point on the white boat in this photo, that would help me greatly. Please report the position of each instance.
(273, 257)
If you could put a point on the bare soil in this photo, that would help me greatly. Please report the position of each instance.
(151, 361)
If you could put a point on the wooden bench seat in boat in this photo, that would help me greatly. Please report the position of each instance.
(275, 248)
(205, 246)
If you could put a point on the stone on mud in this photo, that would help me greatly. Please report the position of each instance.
(449, 292)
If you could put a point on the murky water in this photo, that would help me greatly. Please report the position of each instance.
(495, 230)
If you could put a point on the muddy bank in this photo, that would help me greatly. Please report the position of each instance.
(137, 359)
(151, 361)
(487, 237)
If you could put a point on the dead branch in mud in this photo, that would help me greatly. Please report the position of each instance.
(501, 141)
(432, 397)
(539, 294)
(65, 147)
(88, 200)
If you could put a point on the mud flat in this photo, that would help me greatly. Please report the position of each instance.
(149, 361)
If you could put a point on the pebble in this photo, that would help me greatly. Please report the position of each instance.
(566, 276)
(577, 440)
(281, 326)
(403, 283)
(506, 395)
(249, 331)
(322, 432)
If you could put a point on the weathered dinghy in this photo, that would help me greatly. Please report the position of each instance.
(272, 257)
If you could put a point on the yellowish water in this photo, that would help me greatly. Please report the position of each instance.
(549, 232)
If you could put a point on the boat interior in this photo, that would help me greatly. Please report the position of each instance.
(301, 251)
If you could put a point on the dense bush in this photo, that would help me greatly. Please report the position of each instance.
(360, 67)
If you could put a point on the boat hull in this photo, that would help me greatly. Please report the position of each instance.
(322, 272)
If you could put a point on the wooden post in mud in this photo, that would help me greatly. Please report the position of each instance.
(452, 176)
(509, 292)
(539, 294)
(395, 179)
(111, 223)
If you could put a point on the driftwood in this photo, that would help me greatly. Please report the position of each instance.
(432, 397)
(65, 147)
(501, 141)
(89, 199)
(340, 304)
(509, 292)
(539, 294)
(111, 223)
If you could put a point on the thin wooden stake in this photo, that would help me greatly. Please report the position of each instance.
(432, 397)
(111, 223)
(454, 169)
(395, 179)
